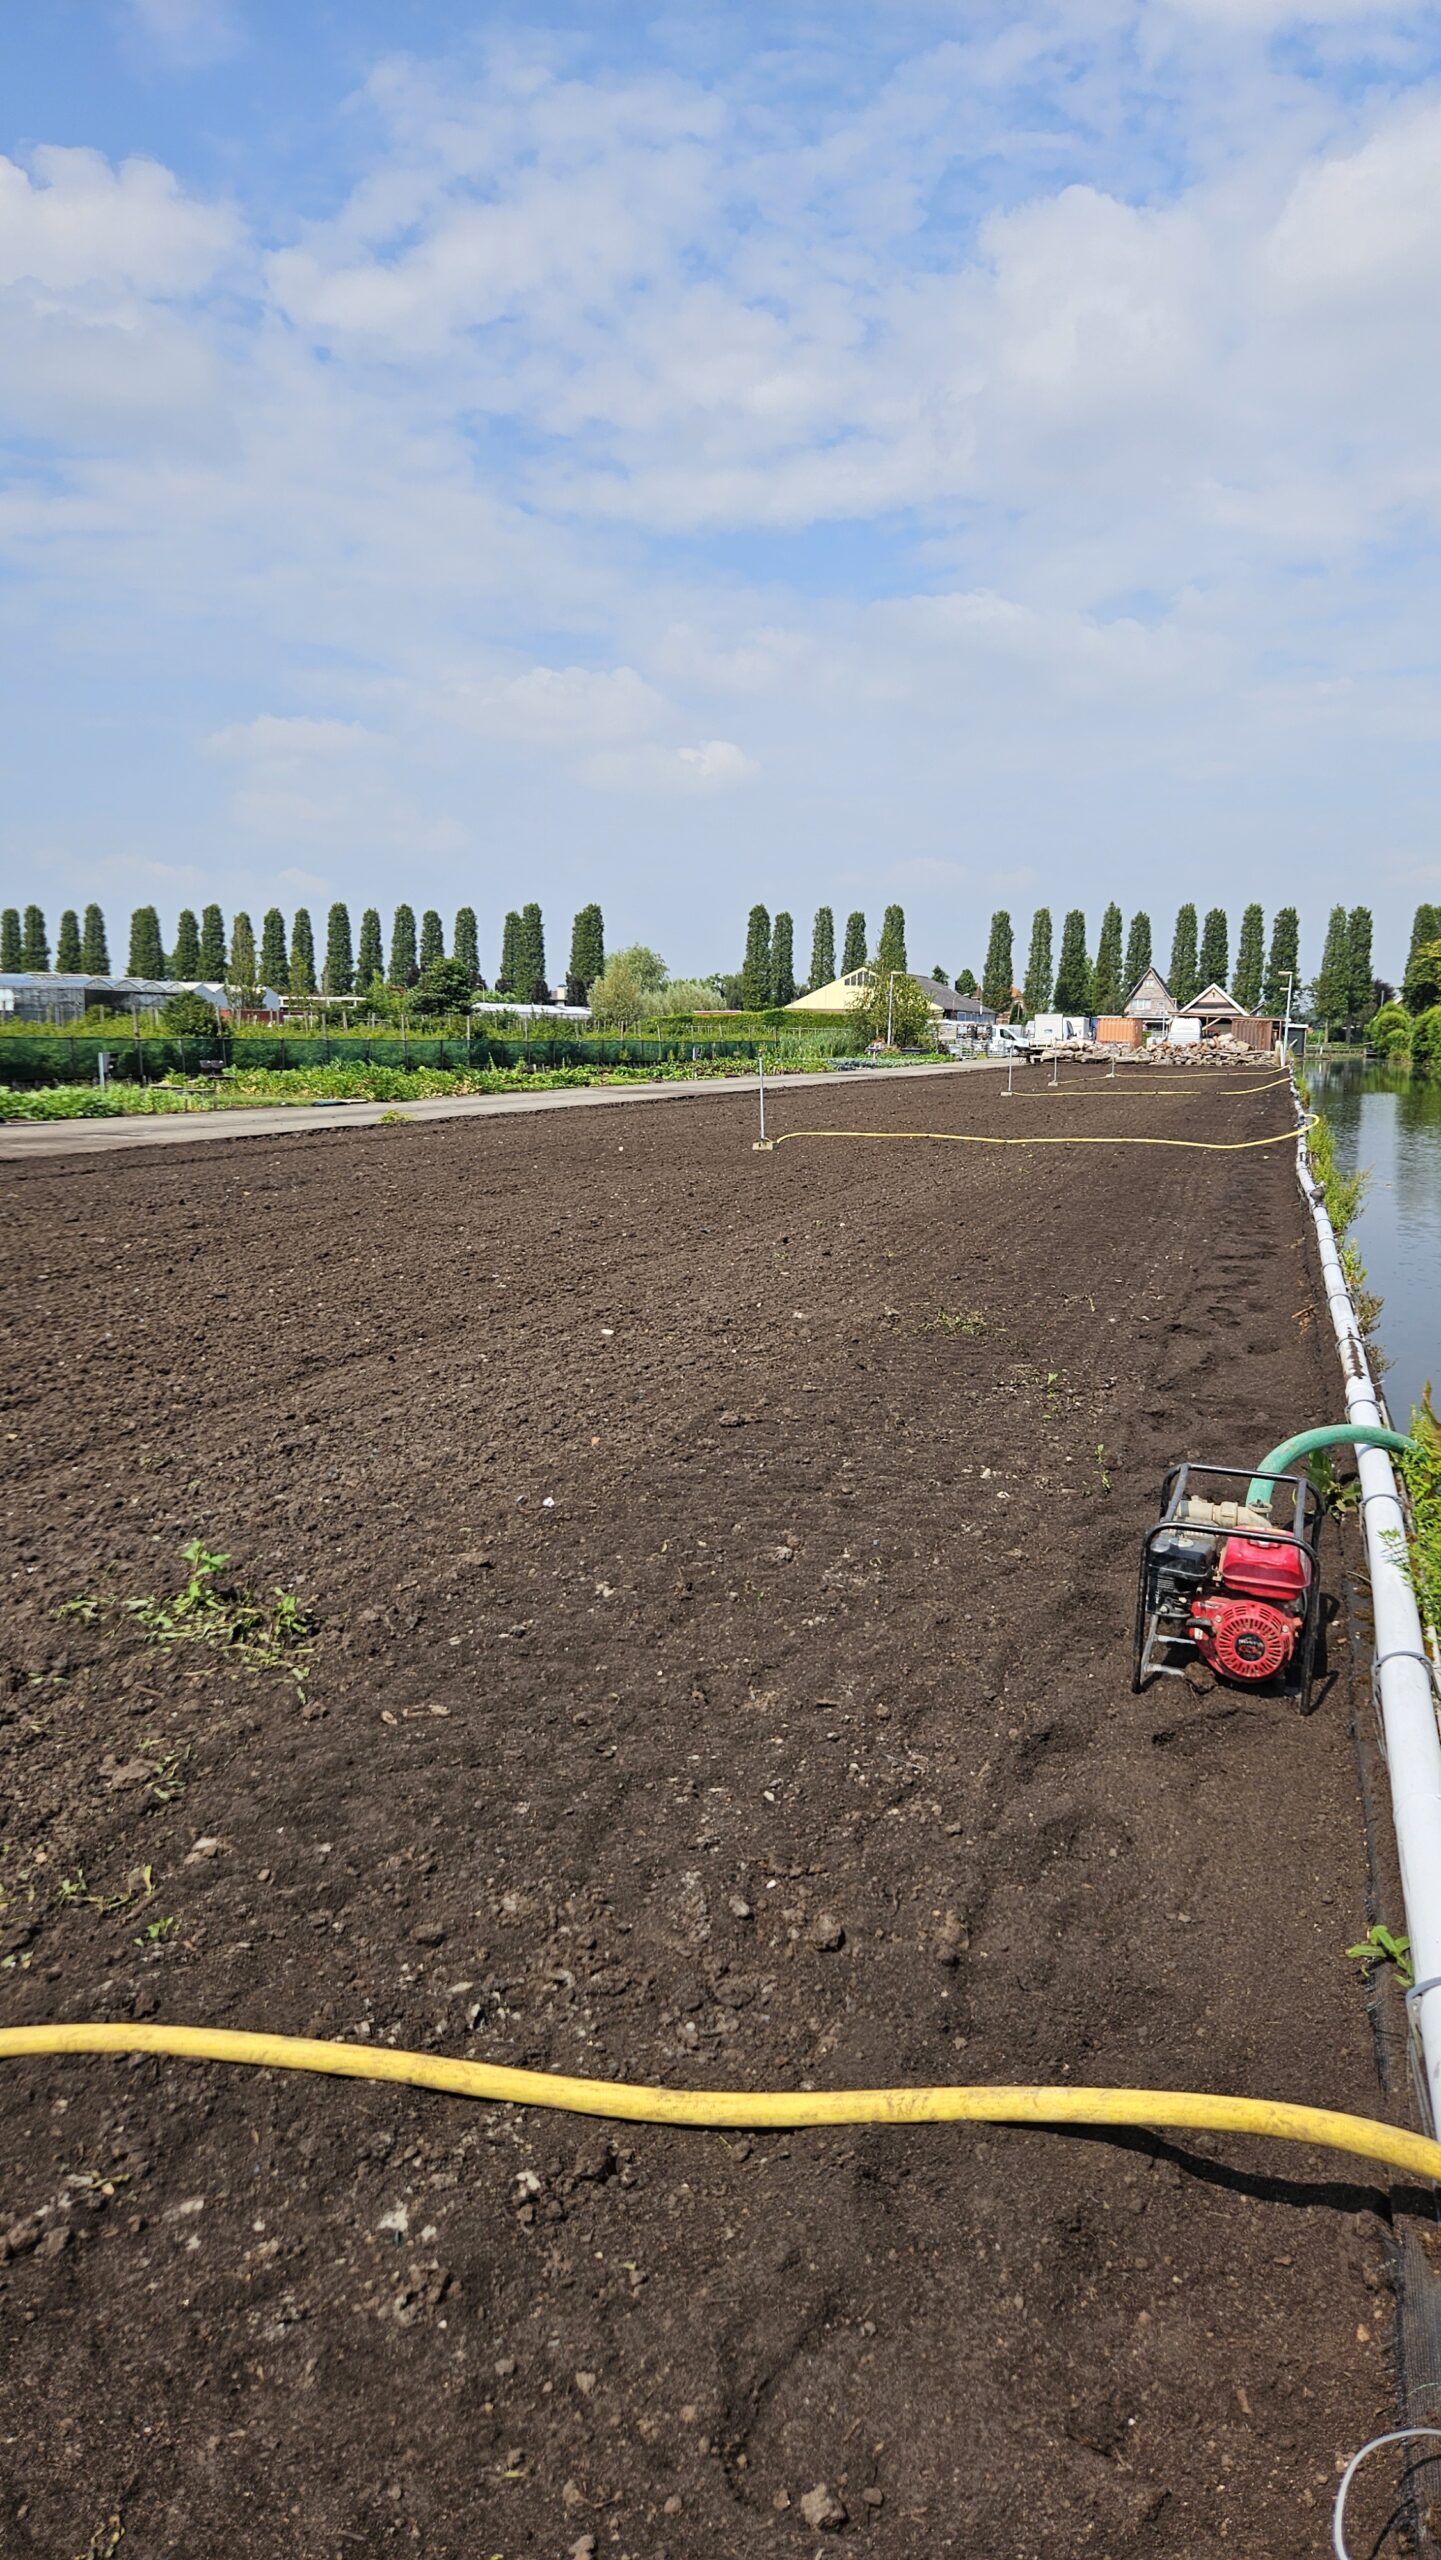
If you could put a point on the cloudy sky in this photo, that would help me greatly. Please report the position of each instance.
(959, 453)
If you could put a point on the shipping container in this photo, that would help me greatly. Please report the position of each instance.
(1119, 1031)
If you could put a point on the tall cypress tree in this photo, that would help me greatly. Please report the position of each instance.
(147, 951)
(432, 938)
(891, 949)
(1284, 962)
(35, 944)
(1250, 959)
(823, 948)
(370, 955)
(1107, 993)
(404, 968)
(1073, 969)
(508, 975)
(783, 960)
(1214, 964)
(67, 942)
(1138, 952)
(274, 960)
(998, 974)
(1332, 990)
(1361, 981)
(1181, 977)
(241, 971)
(465, 943)
(1421, 986)
(1040, 971)
(12, 949)
(339, 961)
(756, 966)
(530, 956)
(854, 954)
(587, 954)
(301, 979)
(185, 958)
(94, 948)
(212, 944)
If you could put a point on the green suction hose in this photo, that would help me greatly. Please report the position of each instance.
(1330, 1435)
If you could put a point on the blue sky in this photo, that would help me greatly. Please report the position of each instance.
(970, 455)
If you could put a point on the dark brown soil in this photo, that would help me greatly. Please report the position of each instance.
(724, 1565)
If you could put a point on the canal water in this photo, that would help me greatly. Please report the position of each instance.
(1389, 1122)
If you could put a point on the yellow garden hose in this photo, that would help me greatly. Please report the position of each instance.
(1187, 2110)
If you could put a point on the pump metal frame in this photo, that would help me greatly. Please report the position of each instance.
(1155, 1637)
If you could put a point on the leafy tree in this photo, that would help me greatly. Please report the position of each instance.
(1361, 981)
(628, 986)
(1040, 970)
(823, 948)
(1283, 966)
(241, 971)
(756, 966)
(301, 979)
(894, 1005)
(274, 965)
(1389, 1030)
(370, 949)
(854, 954)
(1214, 965)
(339, 965)
(891, 949)
(1250, 960)
(939, 975)
(443, 986)
(508, 975)
(35, 943)
(147, 951)
(94, 948)
(67, 941)
(1107, 993)
(1426, 1040)
(1183, 977)
(188, 1014)
(1073, 970)
(530, 956)
(998, 973)
(682, 996)
(212, 944)
(465, 943)
(587, 954)
(404, 966)
(11, 947)
(1138, 952)
(185, 958)
(783, 960)
(432, 939)
(966, 983)
(1421, 985)
(1332, 990)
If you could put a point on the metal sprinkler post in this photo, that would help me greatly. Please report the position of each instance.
(762, 1145)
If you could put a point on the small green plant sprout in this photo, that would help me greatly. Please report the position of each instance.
(1381, 1946)
(971, 1323)
(156, 1931)
(262, 1635)
(1338, 1493)
(1102, 1471)
(139, 1886)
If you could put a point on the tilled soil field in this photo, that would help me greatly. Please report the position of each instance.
(723, 1568)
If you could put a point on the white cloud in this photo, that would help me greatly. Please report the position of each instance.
(72, 223)
(189, 35)
(718, 765)
(560, 706)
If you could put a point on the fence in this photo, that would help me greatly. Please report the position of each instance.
(61, 1057)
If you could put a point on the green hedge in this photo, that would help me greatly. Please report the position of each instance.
(61, 1057)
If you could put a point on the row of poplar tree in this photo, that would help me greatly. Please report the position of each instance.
(286, 958)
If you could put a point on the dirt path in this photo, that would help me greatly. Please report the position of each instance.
(725, 1566)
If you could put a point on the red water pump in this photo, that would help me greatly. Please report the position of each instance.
(1247, 1625)
(1232, 1578)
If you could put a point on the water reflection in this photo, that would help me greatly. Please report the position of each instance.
(1390, 1121)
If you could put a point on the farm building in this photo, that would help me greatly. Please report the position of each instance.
(63, 996)
(1216, 1013)
(948, 1006)
(1152, 1004)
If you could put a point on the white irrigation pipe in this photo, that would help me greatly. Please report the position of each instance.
(1401, 1670)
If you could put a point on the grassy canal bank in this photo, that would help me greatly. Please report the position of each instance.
(713, 1576)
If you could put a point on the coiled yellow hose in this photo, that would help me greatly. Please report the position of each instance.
(1177, 2109)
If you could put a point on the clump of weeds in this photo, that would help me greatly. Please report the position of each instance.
(1382, 1946)
(259, 1635)
(972, 1323)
